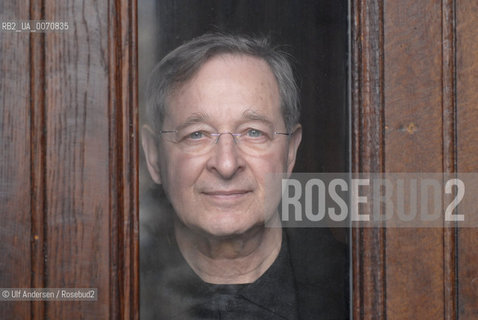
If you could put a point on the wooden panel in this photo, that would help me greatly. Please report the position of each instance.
(413, 99)
(77, 157)
(405, 119)
(68, 175)
(92, 157)
(15, 166)
(467, 145)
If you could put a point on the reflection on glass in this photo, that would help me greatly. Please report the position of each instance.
(220, 115)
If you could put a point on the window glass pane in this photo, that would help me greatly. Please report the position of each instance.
(314, 264)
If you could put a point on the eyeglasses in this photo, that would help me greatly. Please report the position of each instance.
(199, 141)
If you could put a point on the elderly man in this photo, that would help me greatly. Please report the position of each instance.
(222, 116)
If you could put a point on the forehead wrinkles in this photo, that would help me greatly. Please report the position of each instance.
(247, 116)
(227, 77)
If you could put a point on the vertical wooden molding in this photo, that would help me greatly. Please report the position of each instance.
(449, 150)
(467, 149)
(123, 114)
(115, 207)
(368, 244)
(38, 160)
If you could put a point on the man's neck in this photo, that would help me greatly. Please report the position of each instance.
(230, 260)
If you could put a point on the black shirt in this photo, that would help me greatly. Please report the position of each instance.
(307, 281)
(181, 294)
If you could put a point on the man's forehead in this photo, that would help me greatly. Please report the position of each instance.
(226, 64)
(254, 93)
(247, 115)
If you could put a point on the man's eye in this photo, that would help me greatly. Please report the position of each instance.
(254, 133)
(196, 135)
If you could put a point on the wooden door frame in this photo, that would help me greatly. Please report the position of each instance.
(124, 137)
(367, 151)
(368, 134)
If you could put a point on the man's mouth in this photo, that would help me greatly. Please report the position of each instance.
(226, 193)
(227, 196)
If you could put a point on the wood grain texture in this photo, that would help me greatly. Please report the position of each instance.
(77, 157)
(368, 153)
(15, 168)
(68, 175)
(92, 157)
(467, 148)
(413, 97)
(38, 152)
(423, 99)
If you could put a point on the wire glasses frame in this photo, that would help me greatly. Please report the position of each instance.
(207, 140)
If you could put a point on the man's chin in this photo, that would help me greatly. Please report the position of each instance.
(231, 230)
(234, 224)
(226, 232)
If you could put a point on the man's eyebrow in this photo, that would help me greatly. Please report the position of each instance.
(199, 117)
(253, 115)
(195, 118)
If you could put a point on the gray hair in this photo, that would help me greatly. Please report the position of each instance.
(182, 63)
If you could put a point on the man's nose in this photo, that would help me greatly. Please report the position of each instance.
(225, 158)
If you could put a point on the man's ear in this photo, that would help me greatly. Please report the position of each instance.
(151, 152)
(294, 142)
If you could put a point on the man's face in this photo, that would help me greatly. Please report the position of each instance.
(224, 191)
